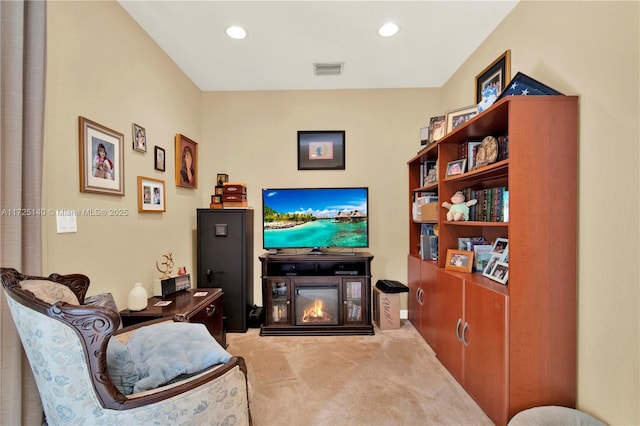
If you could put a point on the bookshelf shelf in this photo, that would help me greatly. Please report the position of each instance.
(515, 346)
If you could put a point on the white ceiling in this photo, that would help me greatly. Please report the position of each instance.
(285, 39)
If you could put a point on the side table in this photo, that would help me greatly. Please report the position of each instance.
(185, 306)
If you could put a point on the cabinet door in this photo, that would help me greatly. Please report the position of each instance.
(413, 299)
(428, 308)
(353, 300)
(450, 322)
(485, 356)
(278, 293)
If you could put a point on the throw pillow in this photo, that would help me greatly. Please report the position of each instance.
(164, 351)
(104, 300)
(121, 367)
(49, 291)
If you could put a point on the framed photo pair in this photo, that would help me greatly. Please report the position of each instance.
(497, 268)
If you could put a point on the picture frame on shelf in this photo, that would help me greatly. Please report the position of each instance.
(472, 149)
(437, 128)
(151, 195)
(481, 256)
(101, 158)
(501, 247)
(321, 149)
(500, 272)
(457, 117)
(139, 138)
(186, 162)
(493, 261)
(221, 179)
(459, 260)
(492, 80)
(456, 167)
(159, 157)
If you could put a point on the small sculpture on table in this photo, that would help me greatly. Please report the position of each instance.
(167, 266)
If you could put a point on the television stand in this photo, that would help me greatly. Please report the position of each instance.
(311, 295)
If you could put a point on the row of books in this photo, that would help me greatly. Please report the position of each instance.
(492, 205)
(354, 312)
(428, 172)
(354, 290)
(469, 150)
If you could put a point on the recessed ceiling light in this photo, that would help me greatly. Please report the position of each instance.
(236, 32)
(388, 29)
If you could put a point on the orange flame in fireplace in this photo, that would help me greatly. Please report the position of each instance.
(313, 314)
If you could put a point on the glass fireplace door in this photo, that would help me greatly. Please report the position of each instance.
(316, 304)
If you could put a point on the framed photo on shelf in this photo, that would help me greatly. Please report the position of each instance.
(436, 128)
(321, 150)
(221, 179)
(456, 167)
(457, 117)
(500, 272)
(101, 158)
(472, 150)
(158, 158)
(139, 138)
(186, 162)
(493, 261)
(151, 195)
(459, 260)
(492, 81)
(501, 247)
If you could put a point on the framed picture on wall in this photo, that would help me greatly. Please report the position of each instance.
(139, 138)
(186, 162)
(151, 195)
(321, 150)
(159, 158)
(101, 158)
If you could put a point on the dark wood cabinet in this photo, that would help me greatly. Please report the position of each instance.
(185, 306)
(311, 294)
(225, 260)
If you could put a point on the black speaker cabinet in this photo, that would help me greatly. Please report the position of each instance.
(225, 260)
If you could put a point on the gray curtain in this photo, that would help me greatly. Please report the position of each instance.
(22, 76)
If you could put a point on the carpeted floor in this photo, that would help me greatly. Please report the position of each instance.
(392, 378)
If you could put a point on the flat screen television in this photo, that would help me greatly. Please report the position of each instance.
(316, 218)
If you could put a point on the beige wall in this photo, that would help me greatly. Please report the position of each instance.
(103, 66)
(590, 49)
(252, 136)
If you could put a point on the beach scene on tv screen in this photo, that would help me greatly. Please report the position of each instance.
(298, 218)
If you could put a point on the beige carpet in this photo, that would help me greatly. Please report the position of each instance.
(392, 378)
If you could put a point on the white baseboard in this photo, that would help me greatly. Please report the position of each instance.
(404, 314)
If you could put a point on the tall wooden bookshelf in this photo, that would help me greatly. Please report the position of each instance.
(511, 346)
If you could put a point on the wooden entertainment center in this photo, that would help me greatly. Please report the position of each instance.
(512, 346)
(316, 294)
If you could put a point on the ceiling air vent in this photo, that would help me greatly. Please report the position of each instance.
(334, 68)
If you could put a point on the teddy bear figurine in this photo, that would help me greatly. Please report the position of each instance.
(458, 208)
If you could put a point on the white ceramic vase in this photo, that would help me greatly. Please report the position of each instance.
(138, 297)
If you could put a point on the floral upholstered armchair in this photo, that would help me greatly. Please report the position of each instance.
(69, 346)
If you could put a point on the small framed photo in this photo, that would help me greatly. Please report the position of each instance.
(500, 272)
(472, 150)
(139, 138)
(221, 179)
(493, 261)
(159, 156)
(321, 150)
(101, 158)
(151, 195)
(501, 247)
(436, 128)
(186, 162)
(492, 80)
(459, 260)
(457, 117)
(456, 167)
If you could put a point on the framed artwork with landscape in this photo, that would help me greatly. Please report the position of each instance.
(186, 162)
(101, 158)
(321, 150)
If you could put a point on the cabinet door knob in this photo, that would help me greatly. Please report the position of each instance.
(458, 336)
(211, 309)
(464, 334)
